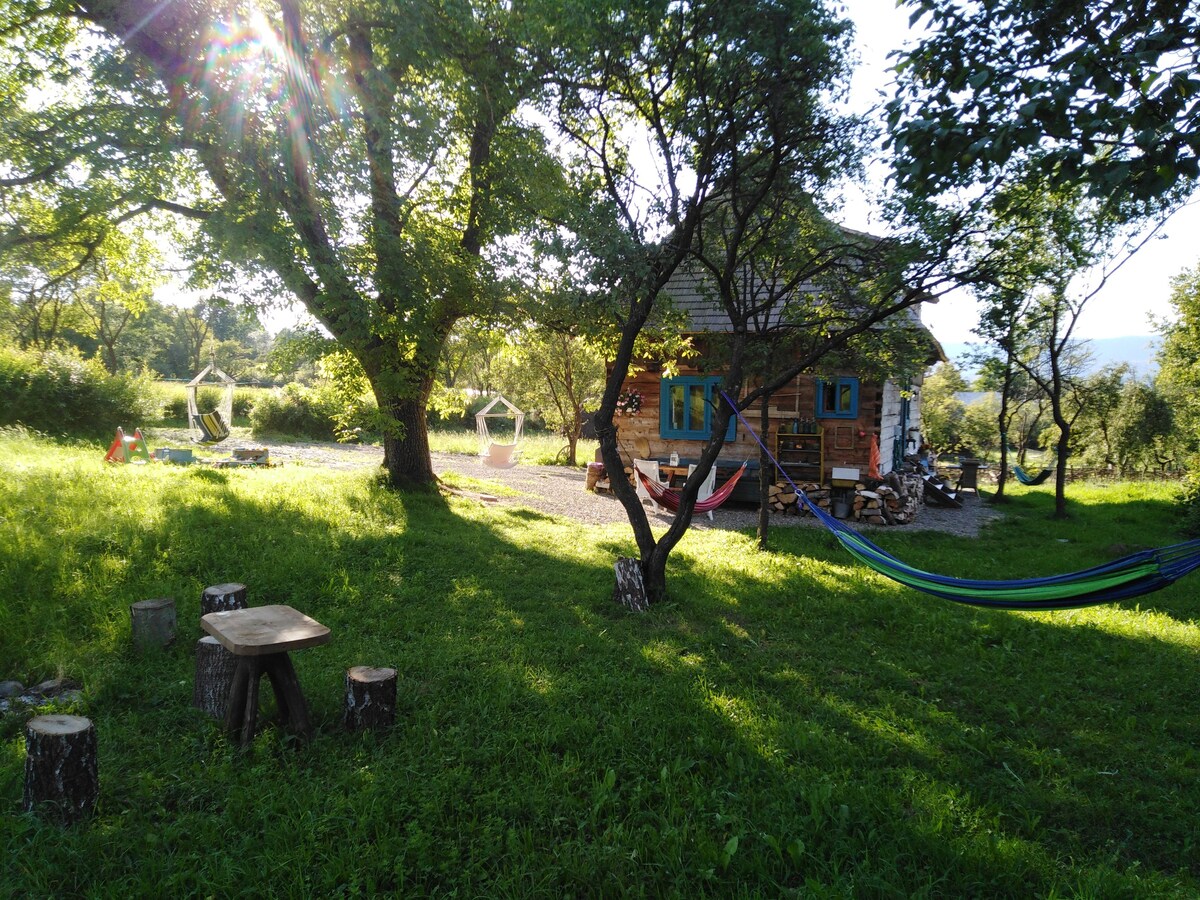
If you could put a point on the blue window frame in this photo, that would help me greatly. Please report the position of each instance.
(686, 408)
(837, 398)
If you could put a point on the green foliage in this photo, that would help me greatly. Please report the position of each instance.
(319, 413)
(174, 400)
(59, 393)
(1189, 501)
(941, 412)
(1179, 357)
(1101, 92)
(791, 725)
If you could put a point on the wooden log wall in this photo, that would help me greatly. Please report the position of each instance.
(847, 441)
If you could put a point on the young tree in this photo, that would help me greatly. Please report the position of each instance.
(1096, 424)
(942, 413)
(733, 102)
(1179, 356)
(560, 375)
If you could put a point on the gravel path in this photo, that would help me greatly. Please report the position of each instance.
(559, 490)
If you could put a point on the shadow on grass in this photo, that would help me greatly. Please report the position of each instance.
(785, 722)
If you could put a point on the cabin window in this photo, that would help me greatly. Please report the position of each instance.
(688, 407)
(837, 398)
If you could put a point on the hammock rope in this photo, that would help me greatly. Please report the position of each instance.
(664, 496)
(1131, 576)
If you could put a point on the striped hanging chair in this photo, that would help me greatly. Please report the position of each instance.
(210, 427)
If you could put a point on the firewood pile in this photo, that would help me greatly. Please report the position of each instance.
(895, 500)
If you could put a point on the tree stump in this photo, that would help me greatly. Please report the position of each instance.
(630, 590)
(370, 698)
(61, 779)
(153, 622)
(214, 676)
(222, 598)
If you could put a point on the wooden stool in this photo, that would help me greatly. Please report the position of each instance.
(61, 778)
(260, 638)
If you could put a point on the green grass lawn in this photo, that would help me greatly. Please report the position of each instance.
(788, 723)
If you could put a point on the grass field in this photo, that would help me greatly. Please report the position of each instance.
(786, 724)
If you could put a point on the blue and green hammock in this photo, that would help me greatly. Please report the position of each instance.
(1131, 576)
(1027, 479)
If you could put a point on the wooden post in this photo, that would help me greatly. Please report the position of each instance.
(630, 590)
(153, 622)
(370, 698)
(214, 676)
(222, 597)
(61, 779)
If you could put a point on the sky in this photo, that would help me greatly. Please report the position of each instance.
(1129, 299)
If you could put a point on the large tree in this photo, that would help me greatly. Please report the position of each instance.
(371, 159)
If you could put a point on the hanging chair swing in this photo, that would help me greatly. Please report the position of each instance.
(497, 455)
(210, 427)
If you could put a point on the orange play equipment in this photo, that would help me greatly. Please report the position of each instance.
(125, 449)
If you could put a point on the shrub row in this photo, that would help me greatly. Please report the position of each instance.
(319, 413)
(58, 393)
(174, 406)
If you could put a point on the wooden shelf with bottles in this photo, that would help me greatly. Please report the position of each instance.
(802, 455)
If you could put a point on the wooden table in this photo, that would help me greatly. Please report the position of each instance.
(673, 472)
(260, 638)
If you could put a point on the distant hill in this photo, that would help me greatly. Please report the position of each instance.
(1138, 351)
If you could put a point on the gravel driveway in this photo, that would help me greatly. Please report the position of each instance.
(559, 490)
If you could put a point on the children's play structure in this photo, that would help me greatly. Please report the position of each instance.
(126, 449)
(1131, 576)
(494, 454)
(210, 427)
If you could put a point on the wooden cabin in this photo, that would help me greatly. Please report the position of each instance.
(817, 425)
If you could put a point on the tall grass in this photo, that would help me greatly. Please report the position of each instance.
(788, 723)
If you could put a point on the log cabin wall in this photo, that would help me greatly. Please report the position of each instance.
(847, 442)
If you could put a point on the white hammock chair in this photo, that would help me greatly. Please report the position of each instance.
(210, 427)
(499, 456)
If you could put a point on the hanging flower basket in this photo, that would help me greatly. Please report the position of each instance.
(629, 403)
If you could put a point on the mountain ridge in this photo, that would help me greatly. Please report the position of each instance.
(1136, 350)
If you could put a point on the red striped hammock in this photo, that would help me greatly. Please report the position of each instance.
(670, 499)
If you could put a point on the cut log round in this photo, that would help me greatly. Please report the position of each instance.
(61, 772)
(214, 676)
(153, 622)
(370, 698)
(630, 590)
(222, 598)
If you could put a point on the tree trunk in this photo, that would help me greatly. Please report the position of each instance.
(214, 676)
(630, 590)
(406, 459)
(61, 774)
(1060, 471)
(764, 467)
(370, 698)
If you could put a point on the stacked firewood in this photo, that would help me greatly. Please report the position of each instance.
(895, 500)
